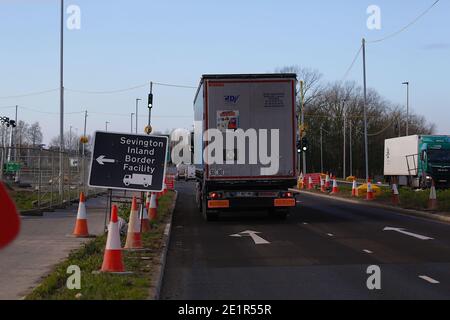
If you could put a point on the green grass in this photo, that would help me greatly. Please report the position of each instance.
(409, 198)
(24, 199)
(108, 286)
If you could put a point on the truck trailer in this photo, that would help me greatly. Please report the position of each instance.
(418, 160)
(246, 103)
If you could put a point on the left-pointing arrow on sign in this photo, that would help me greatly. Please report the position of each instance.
(102, 160)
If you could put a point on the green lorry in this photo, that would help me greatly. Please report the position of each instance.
(418, 160)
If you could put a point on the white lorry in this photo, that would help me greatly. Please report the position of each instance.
(138, 179)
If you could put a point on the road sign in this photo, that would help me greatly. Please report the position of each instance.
(128, 161)
(12, 167)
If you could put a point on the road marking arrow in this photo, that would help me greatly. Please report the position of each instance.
(102, 160)
(401, 230)
(252, 234)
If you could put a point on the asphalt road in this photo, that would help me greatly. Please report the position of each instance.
(322, 251)
(41, 244)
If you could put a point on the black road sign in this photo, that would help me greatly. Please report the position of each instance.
(128, 161)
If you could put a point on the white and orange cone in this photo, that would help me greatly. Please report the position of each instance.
(112, 259)
(354, 189)
(335, 187)
(153, 210)
(300, 182)
(145, 221)
(81, 225)
(134, 240)
(370, 195)
(432, 201)
(395, 195)
(310, 183)
(164, 188)
(322, 185)
(327, 181)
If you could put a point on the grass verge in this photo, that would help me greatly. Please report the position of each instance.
(104, 286)
(409, 198)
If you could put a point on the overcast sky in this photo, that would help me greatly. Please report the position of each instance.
(123, 44)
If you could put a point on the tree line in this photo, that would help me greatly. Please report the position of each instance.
(330, 105)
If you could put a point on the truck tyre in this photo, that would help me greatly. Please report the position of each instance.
(208, 215)
(278, 214)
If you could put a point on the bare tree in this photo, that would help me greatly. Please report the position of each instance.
(34, 134)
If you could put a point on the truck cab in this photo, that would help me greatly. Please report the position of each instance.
(434, 161)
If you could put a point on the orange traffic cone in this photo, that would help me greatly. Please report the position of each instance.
(395, 195)
(432, 202)
(322, 185)
(327, 181)
(335, 187)
(134, 240)
(81, 226)
(310, 183)
(300, 182)
(153, 213)
(354, 189)
(370, 194)
(112, 259)
(145, 221)
(147, 200)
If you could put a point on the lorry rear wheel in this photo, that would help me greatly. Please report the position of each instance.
(278, 214)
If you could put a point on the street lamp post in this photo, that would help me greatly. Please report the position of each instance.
(106, 126)
(366, 144)
(345, 129)
(407, 106)
(61, 105)
(137, 104)
(132, 114)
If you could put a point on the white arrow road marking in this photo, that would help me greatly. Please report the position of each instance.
(253, 234)
(430, 280)
(367, 251)
(401, 230)
(102, 160)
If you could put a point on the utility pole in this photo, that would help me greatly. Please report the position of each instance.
(321, 148)
(131, 128)
(150, 106)
(351, 149)
(366, 146)
(61, 106)
(11, 141)
(137, 104)
(70, 140)
(345, 131)
(302, 121)
(407, 107)
(83, 151)
(106, 126)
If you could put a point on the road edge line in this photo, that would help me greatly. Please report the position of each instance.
(156, 285)
(403, 211)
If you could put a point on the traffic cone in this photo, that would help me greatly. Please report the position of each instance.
(354, 189)
(112, 259)
(395, 195)
(153, 213)
(310, 184)
(147, 200)
(81, 225)
(432, 202)
(322, 185)
(145, 221)
(134, 240)
(300, 184)
(164, 188)
(370, 195)
(327, 181)
(335, 187)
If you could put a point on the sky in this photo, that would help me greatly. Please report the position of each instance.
(123, 44)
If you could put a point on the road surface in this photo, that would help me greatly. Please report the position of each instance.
(322, 251)
(42, 243)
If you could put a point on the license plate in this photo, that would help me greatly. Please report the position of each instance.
(245, 194)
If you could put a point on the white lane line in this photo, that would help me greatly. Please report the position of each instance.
(367, 251)
(167, 229)
(330, 234)
(428, 279)
(305, 223)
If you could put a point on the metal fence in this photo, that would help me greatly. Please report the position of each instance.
(35, 172)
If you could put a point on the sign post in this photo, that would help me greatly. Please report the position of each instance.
(128, 162)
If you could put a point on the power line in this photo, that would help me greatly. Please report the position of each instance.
(407, 26)
(29, 94)
(109, 91)
(174, 85)
(352, 64)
